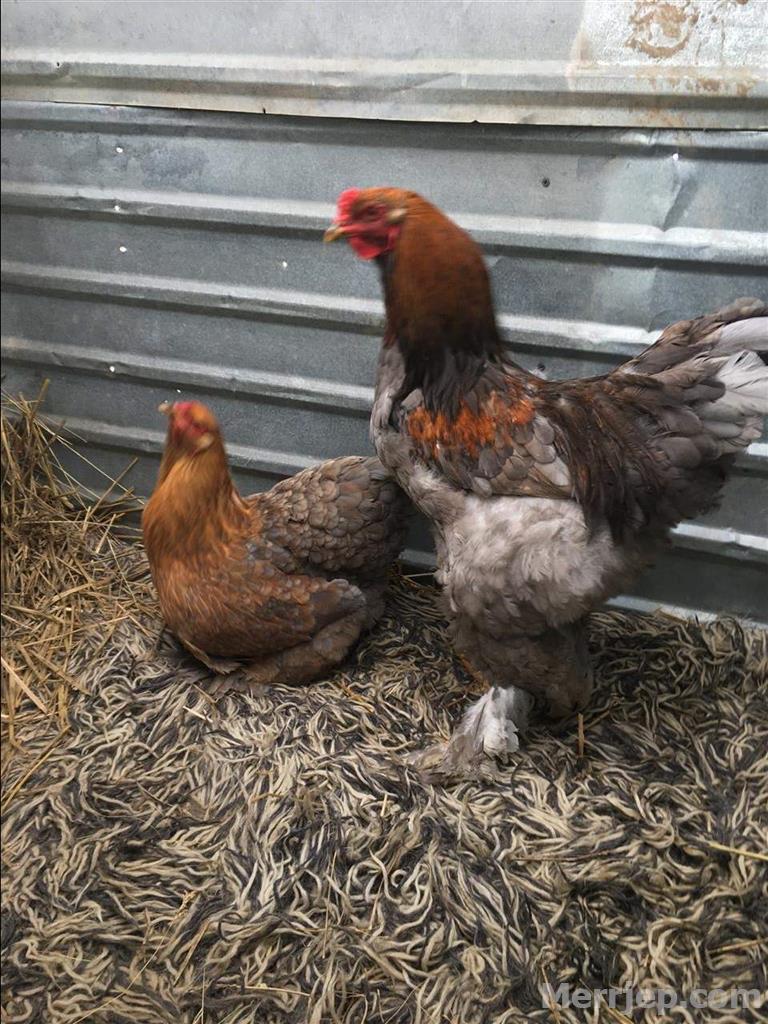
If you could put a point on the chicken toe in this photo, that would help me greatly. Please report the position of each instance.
(221, 666)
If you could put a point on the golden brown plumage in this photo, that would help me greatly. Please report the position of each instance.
(285, 580)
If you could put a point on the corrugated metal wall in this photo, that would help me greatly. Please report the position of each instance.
(677, 63)
(154, 253)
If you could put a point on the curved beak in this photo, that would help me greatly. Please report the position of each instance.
(166, 408)
(334, 232)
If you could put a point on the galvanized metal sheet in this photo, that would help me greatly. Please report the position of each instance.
(153, 254)
(680, 63)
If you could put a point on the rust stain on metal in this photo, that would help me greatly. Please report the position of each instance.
(746, 84)
(661, 29)
(710, 84)
(656, 116)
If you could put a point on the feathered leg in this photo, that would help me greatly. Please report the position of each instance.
(553, 667)
(570, 678)
(491, 727)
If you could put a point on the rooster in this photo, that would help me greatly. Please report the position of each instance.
(286, 580)
(545, 497)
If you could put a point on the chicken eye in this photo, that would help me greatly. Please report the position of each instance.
(370, 213)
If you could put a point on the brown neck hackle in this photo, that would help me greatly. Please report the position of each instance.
(195, 506)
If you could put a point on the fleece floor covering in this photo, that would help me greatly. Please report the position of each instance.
(273, 858)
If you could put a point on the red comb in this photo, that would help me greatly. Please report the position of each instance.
(345, 203)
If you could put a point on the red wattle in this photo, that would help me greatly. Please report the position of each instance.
(365, 250)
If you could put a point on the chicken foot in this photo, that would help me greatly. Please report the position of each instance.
(221, 666)
(491, 726)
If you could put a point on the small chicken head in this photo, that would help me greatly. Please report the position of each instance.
(370, 219)
(191, 427)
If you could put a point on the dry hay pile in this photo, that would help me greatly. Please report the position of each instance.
(64, 570)
(169, 857)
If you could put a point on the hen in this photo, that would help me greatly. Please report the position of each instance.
(286, 580)
(545, 498)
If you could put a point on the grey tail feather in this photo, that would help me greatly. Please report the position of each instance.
(744, 307)
(750, 335)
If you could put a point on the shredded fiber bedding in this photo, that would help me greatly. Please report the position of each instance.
(174, 856)
(272, 858)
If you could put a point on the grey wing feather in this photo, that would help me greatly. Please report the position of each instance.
(344, 515)
(742, 325)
